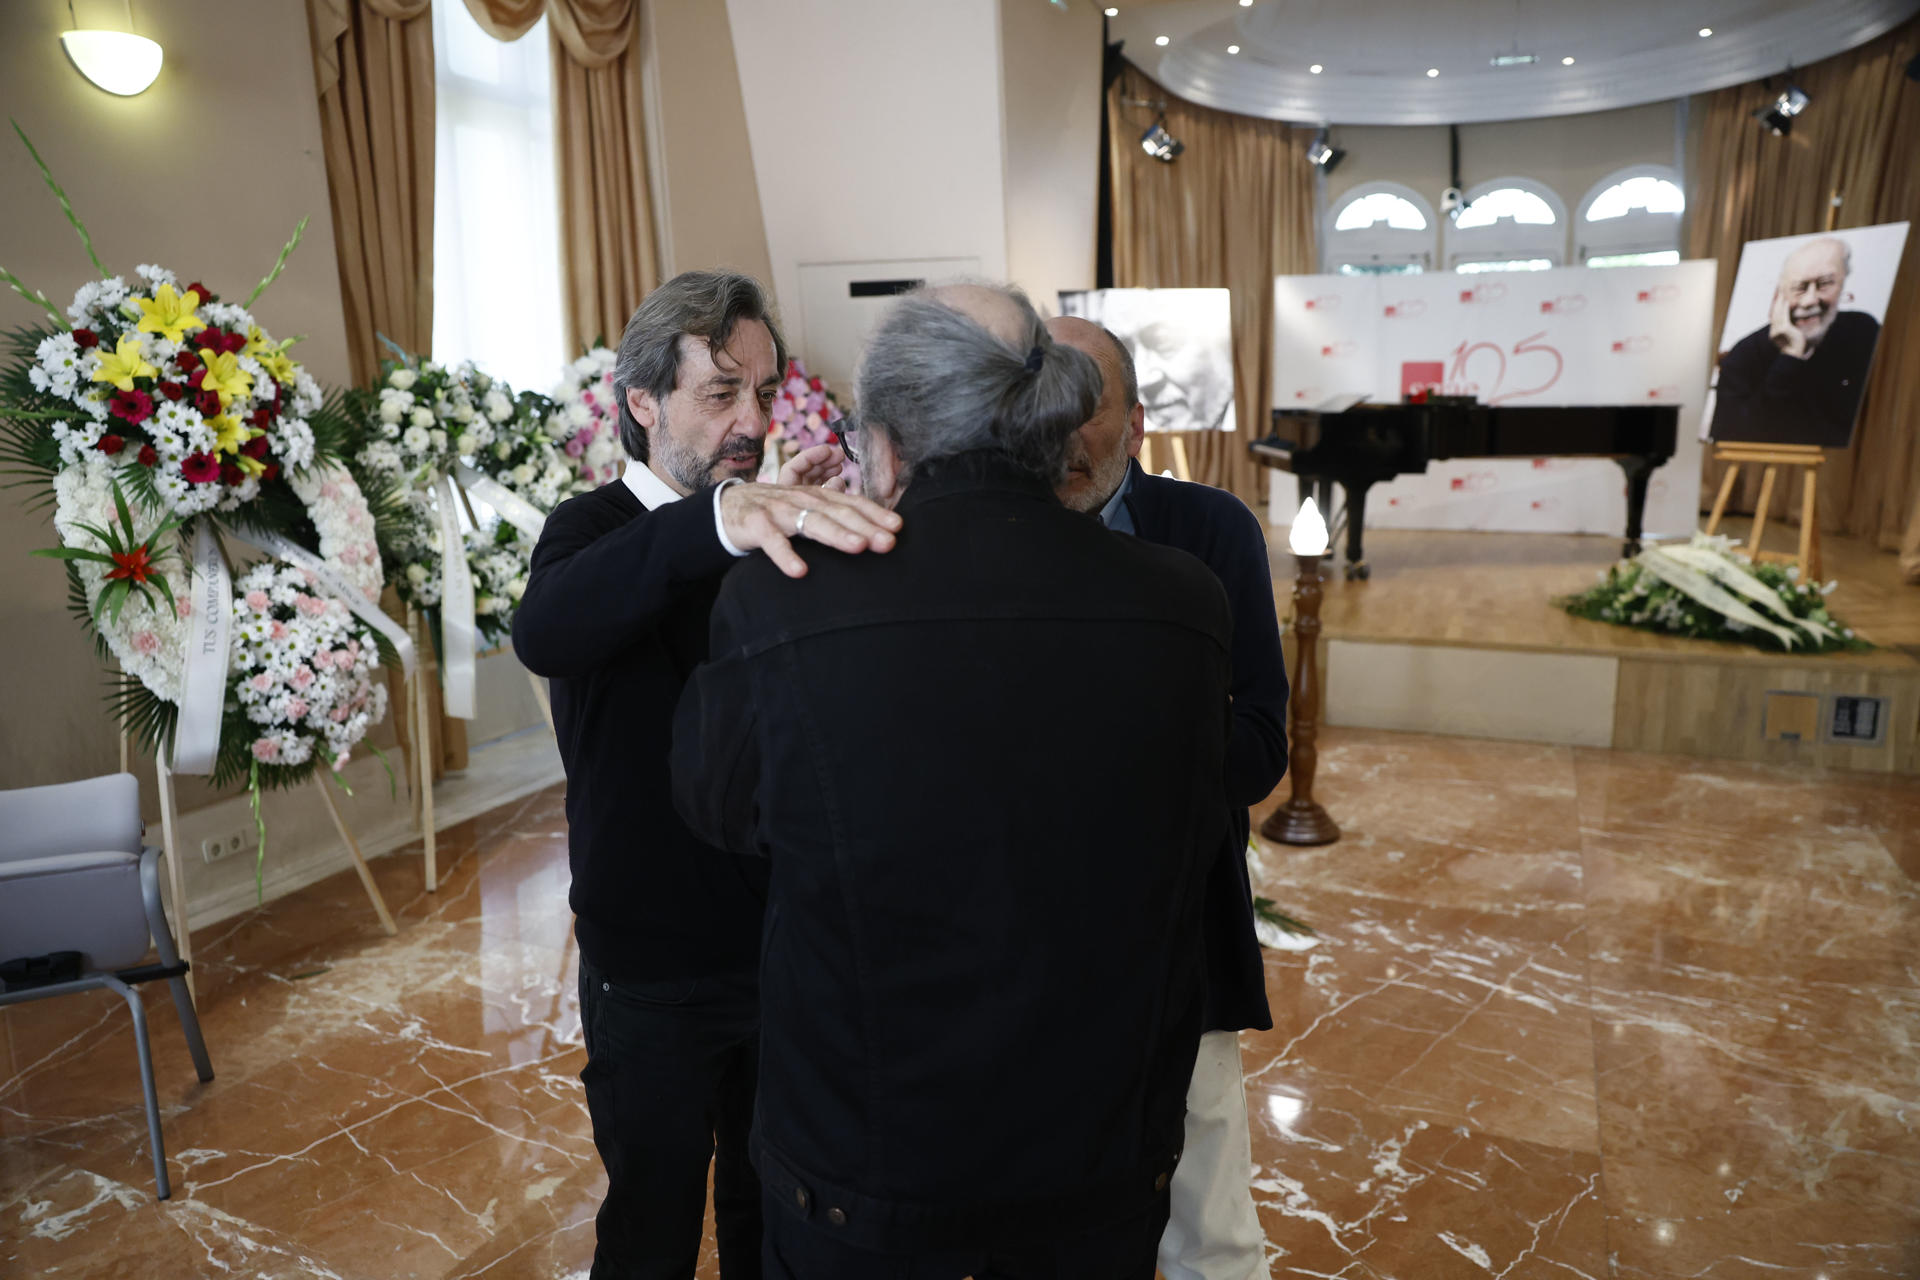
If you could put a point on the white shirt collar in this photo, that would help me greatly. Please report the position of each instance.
(652, 491)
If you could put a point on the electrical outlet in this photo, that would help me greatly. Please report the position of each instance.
(214, 848)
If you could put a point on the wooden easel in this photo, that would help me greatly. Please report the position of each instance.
(1805, 457)
(1178, 446)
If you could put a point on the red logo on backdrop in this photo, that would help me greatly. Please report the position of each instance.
(1565, 304)
(1393, 502)
(1421, 375)
(1633, 346)
(1552, 464)
(1478, 482)
(1489, 291)
(1339, 350)
(1406, 308)
(1307, 393)
(1663, 393)
(1325, 302)
(1545, 504)
(1658, 293)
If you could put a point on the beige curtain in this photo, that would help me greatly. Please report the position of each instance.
(1856, 142)
(1235, 210)
(608, 261)
(373, 70)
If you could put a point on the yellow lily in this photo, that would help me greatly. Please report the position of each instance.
(170, 314)
(224, 377)
(250, 466)
(229, 433)
(271, 356)
(123, 364)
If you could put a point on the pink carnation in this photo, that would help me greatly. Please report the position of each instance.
(297, 708)
(146, 642)
(266, 749)
(279, 631)
(577, 446)
(342, 659)
(302, 678)
(257, 601)
(312, 606)
(338, 715)
(329, 490)
(262, 682)
(183, 607)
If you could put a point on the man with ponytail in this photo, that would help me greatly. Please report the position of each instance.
(981, 970)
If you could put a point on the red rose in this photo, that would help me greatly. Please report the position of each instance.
(272, 472)
(255, 448)
(232, 343)
(814, 384)
(206, 294)
(134, 406)
(110, 444)
(172, 390)
(208, 403)
(147, 456)
(261, 418)
(199, 468)
(187, 360)
(86, 338)
(231, 475)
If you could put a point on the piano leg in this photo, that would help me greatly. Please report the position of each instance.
(1356, 526)
(1639, 472)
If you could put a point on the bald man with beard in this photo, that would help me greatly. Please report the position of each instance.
(1798, 378)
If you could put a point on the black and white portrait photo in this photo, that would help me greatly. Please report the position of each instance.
(1800, 335)
(1182, 346)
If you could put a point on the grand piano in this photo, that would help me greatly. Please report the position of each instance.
(1369, 443)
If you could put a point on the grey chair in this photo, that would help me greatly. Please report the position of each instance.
(79, 904)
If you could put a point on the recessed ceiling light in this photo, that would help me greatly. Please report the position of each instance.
(1160, 40)
(1316, 68)
(1705, 32)
(1246, 4)
(1566, 62)
(1432, 72)
(1233, 48)
(1113, 13)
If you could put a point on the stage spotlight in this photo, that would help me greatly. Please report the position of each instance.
(1324, 154)
(1777, 116)
(1160, 144)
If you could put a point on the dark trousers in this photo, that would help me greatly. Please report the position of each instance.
(670, 1077)
(800, 1249)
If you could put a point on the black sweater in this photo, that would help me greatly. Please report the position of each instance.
(616, 613)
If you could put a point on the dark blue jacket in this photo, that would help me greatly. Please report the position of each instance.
(1216, 528)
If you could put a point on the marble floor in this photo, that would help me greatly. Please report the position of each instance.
(1572, 1014)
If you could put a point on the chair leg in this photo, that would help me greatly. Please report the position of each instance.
(146, 1085)
(190, 1023)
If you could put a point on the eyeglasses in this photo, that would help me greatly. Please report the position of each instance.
(844, 431)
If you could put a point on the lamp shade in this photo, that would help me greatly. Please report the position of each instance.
(118, 61)
(1308, 537)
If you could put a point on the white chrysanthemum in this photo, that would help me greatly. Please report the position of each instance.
(156, 275)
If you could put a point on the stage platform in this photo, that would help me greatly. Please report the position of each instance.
(1456, 633)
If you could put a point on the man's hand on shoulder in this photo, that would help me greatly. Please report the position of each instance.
(769, 517)
(821, 466)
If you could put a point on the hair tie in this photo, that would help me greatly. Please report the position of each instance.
(1035, 358)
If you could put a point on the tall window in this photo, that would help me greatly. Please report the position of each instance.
(1508, 224)
(496, 244)
(1379, 228)
(1631, 218)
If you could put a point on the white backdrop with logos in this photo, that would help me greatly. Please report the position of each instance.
(1574, 336)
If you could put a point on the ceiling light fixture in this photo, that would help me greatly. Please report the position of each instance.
(1233, 48)
(1162, 41)
(1160, 144)
(1246, 4)
(1515, 59)
(118, 61)
(1316, 68)
(1322, 154)
(1432, 72)
(1566, 62)
(1777, 116)
(1705, 32)
(1113, 13)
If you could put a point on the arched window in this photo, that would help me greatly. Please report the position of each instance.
(1508, 224)
(1631, 218)
(1379, 228)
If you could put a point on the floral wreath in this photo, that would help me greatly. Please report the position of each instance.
(153, 414)
(585, 422)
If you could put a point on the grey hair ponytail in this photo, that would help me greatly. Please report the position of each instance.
(942, 384)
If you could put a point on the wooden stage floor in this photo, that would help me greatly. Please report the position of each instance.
(1457, 633)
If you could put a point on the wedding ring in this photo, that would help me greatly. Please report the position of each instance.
(800, 523)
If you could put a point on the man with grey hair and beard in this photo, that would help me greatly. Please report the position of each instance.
(616, 612)
(981, 973)
(1214, 1231)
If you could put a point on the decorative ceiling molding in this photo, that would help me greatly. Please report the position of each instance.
(1625, 52)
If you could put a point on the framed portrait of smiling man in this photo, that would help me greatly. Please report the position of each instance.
(1181, 341)
(1801, 330)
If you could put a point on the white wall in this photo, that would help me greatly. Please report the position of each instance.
(876, 133)
(1051, 83)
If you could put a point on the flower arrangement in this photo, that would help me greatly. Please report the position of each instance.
(1706, 591)
(305, 672)
(804, 411)
(585, 421)
(154, 413)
